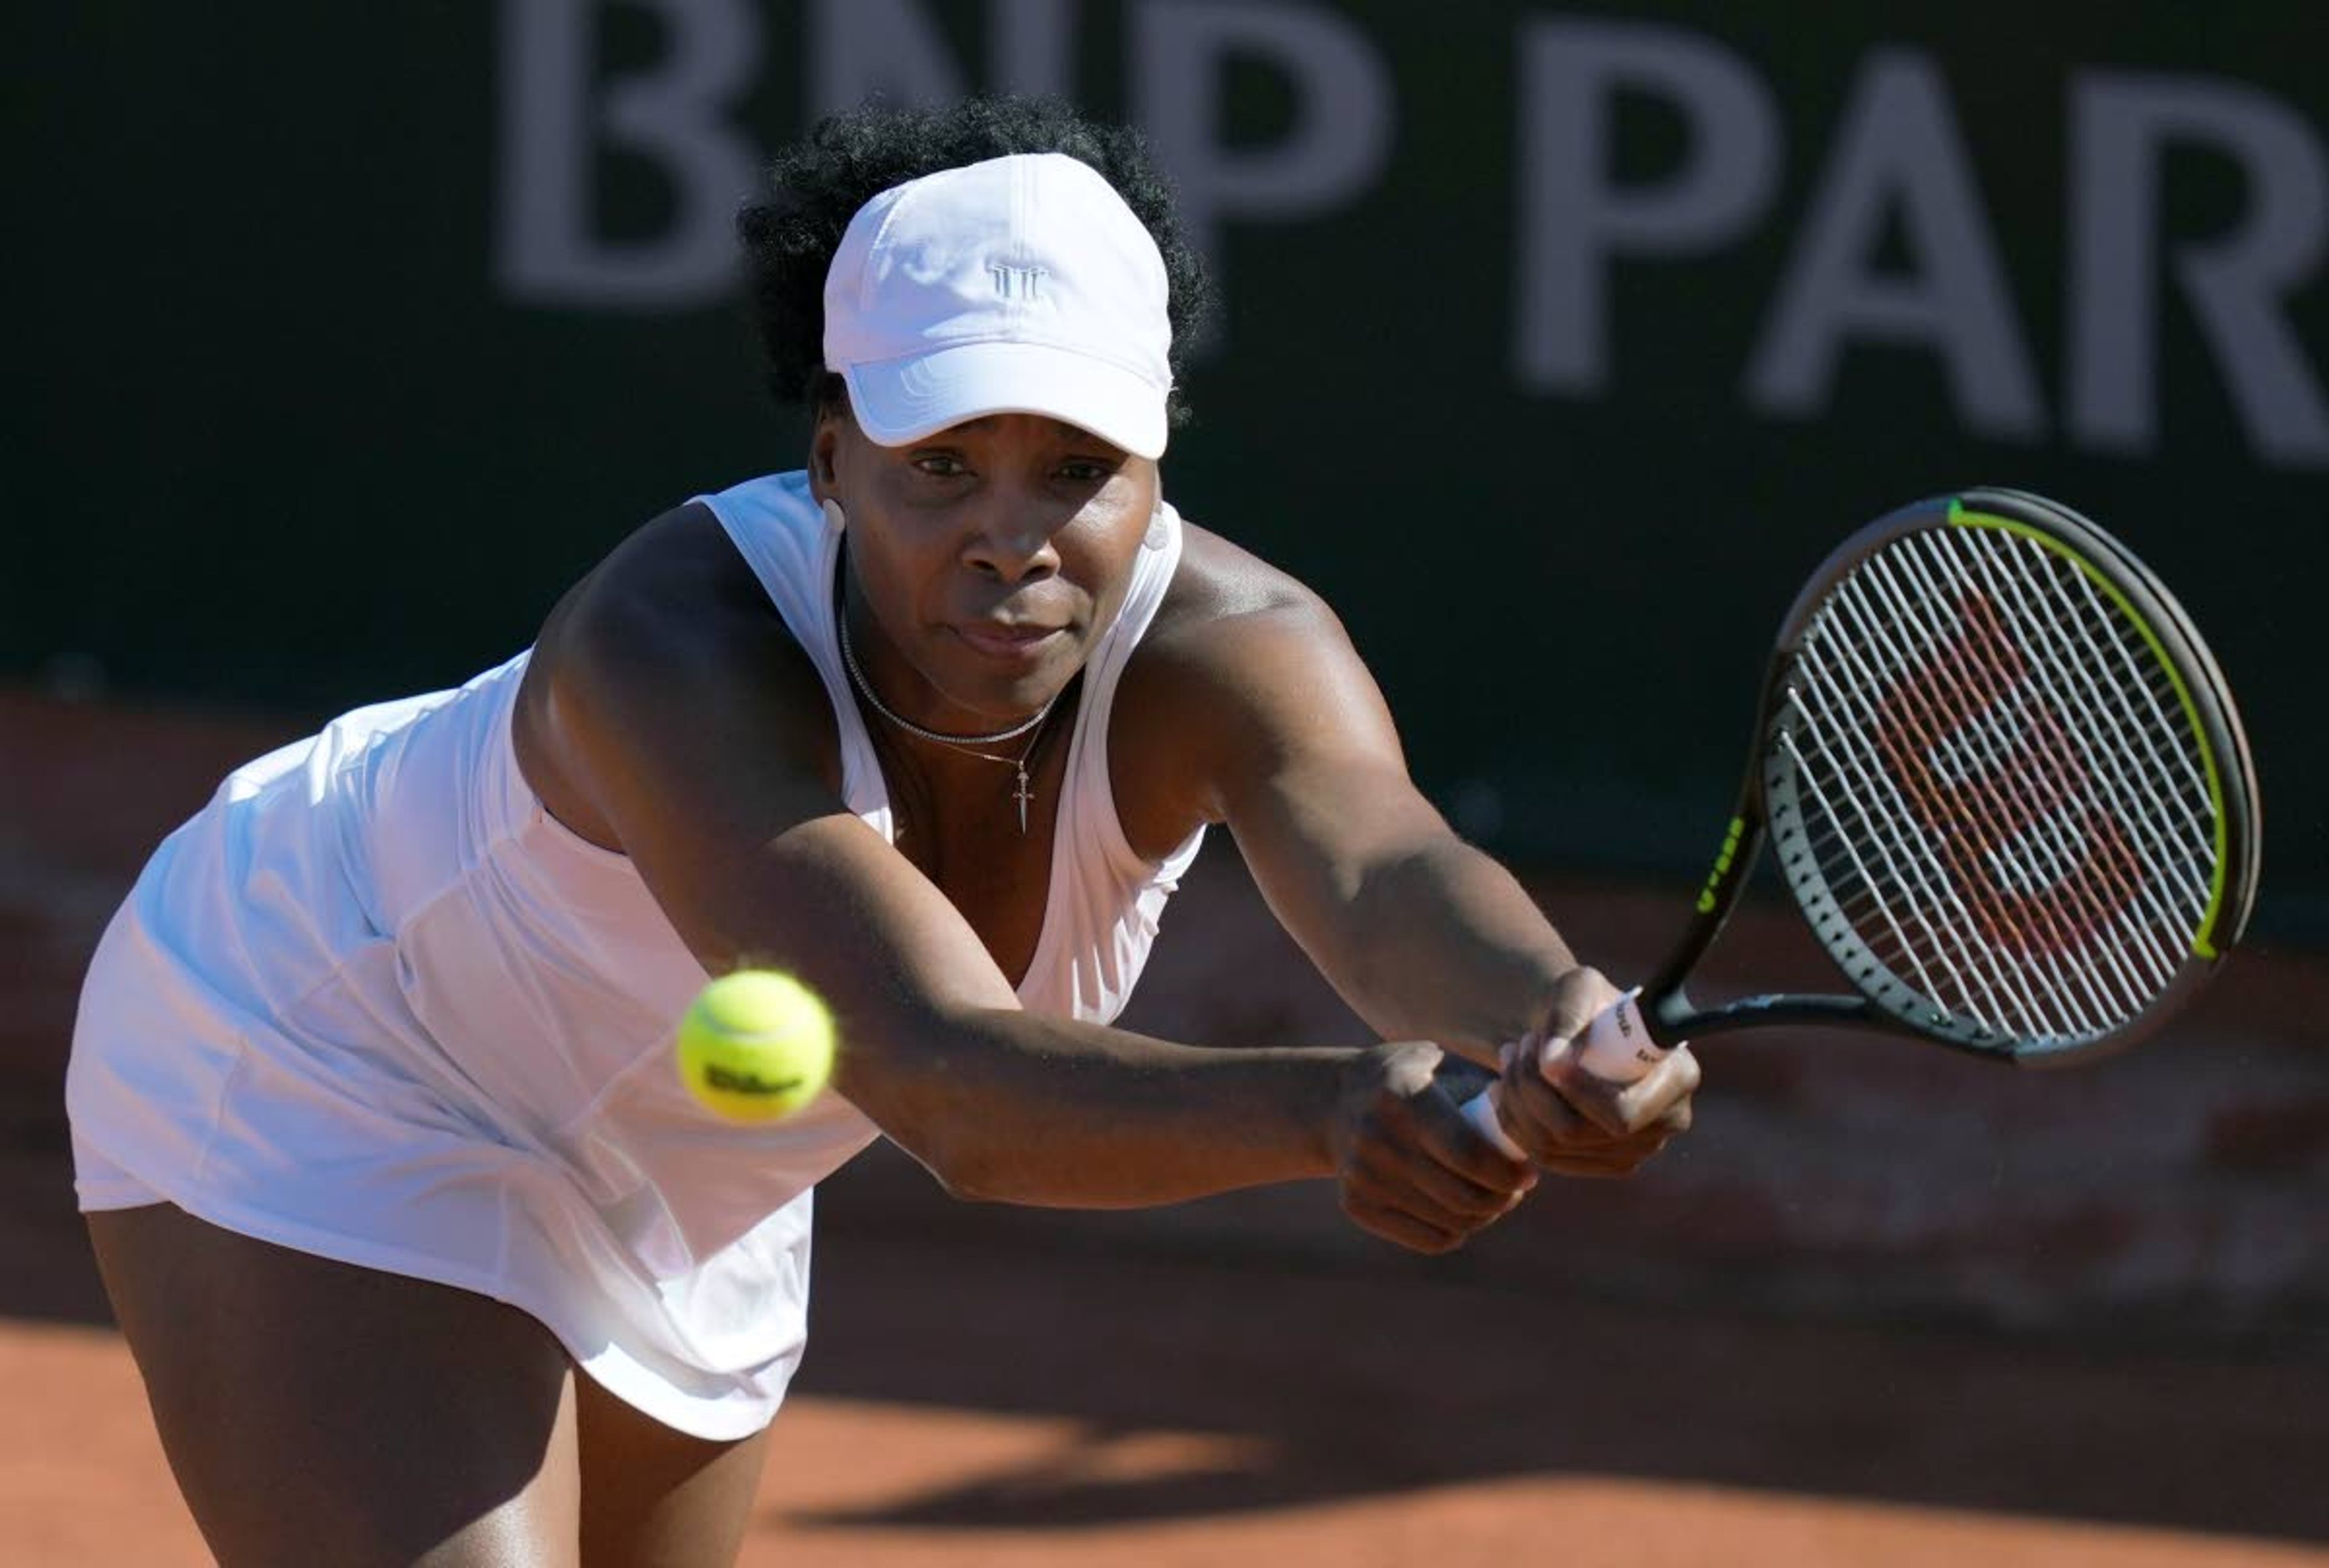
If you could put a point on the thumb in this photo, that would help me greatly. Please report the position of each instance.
(1539, 1053)
(1579, 997)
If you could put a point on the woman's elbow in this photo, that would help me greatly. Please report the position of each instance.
(967, 1169)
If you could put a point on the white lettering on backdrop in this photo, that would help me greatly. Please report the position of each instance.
(1895, 161)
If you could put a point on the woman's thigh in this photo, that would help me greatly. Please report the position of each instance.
(314, 1412)
(653, 1497)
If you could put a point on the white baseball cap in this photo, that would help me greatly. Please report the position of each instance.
(1023, 285)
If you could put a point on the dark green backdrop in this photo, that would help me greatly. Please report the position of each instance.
(287, 435)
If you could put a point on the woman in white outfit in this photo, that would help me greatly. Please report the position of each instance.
(374, 1111)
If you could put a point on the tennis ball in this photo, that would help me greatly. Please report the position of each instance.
(757, 1046)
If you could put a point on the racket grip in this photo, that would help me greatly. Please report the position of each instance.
(1480, 1110)
(1615, 1048)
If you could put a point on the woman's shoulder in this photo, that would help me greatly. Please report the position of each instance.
(676, 586)
(1195, 704)
(673, 609)
(1220, 584)
(1226, 611)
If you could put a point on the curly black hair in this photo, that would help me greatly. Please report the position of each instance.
(815, 186)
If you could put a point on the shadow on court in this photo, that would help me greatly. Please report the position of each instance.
(1889, 1276)
(1327, 1374)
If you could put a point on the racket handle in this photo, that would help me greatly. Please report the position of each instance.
(1615, 1048)
(1480, 1110)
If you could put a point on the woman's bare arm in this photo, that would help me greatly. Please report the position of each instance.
(1424, 935)
(674, 707)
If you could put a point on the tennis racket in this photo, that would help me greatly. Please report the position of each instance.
(2005, 781)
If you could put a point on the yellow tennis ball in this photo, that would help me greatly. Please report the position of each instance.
(757, 1046)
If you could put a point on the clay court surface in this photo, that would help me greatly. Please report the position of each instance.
(1714, 1365)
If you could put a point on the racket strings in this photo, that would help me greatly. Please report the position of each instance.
(2134, 734)
(2107, 886)
(1833, 833)
(2004, 792)
(1957, 973)
(2155, 725)
(1860, 806)
(2036, 929)
(1958, 700)
(1909, 826)
(2083, 879)
(2132, 854)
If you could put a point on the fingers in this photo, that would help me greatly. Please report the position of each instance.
(1614, 1107)
(1621, 1156)
(1575, 1122)
(1439, 1166)
(1414, 1107)
(1579, 997)
(1415, 1171)
(1394, 1225)
(1563, 1140)
(1661, 1092)
(1412, 1207)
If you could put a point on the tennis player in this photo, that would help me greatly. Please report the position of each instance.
(374, 1112)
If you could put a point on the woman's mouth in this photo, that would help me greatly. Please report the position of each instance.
(1017, 643)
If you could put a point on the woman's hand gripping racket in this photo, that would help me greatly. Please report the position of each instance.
(2007, 784)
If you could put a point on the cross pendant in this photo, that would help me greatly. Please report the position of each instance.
(1022, 794)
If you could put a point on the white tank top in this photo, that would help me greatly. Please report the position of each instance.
(1103, 901)
(374, 1002)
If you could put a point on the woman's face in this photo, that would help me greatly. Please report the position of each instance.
(989, 557)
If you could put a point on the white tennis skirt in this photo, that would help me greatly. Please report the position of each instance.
(359, 1007)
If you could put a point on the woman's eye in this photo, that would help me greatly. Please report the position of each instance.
(1086, 471)
(940, 465)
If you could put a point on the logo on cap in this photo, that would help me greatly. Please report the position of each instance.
(1014, 282)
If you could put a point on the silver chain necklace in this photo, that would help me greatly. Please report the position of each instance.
(967, 744)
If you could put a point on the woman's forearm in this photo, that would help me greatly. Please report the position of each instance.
(1448, 947)
(1013, 1106)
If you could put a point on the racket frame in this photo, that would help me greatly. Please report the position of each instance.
(1664, 1003)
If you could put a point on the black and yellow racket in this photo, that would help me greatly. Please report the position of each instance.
(2006, 782)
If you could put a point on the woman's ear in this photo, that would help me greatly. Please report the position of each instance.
(824, 452)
